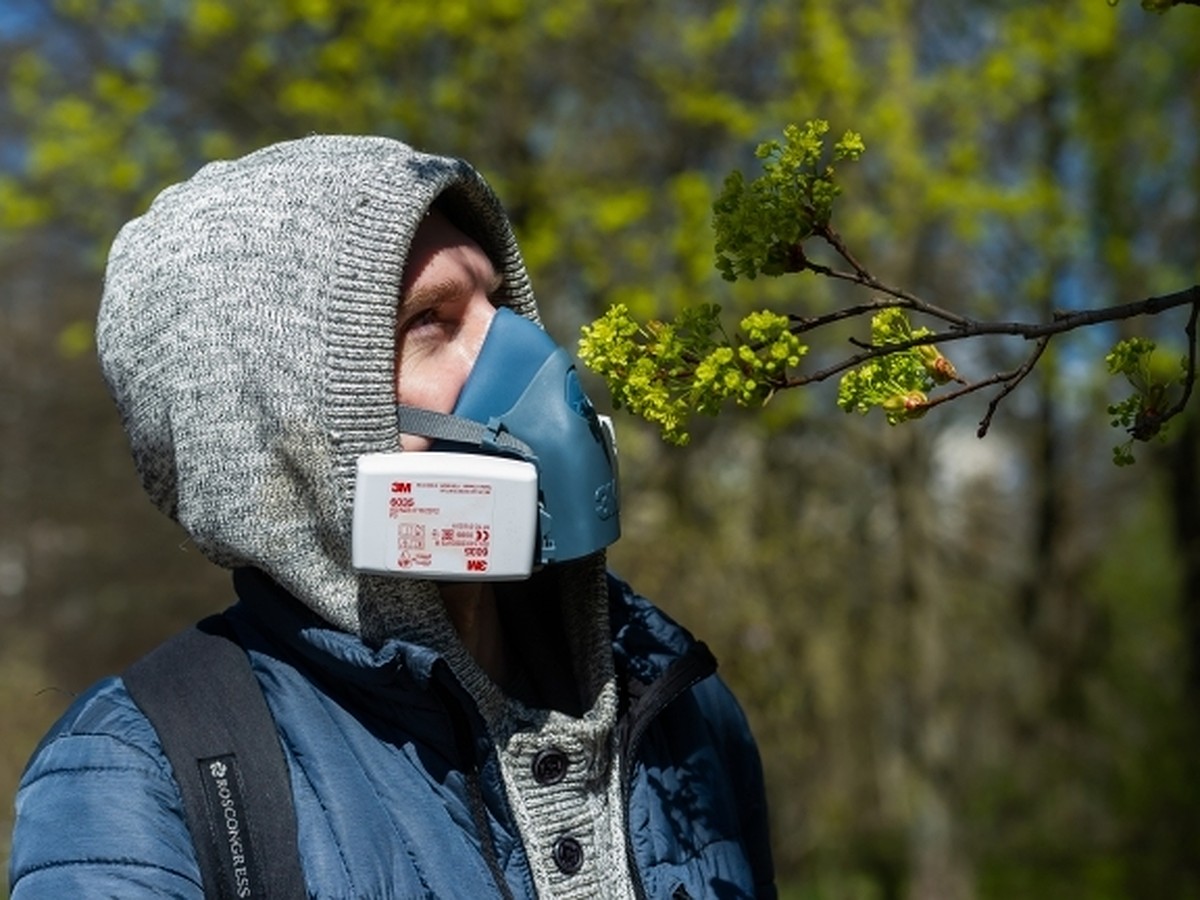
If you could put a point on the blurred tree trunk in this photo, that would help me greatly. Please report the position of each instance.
(1183, 471)
(1052, 605)
(939, 867)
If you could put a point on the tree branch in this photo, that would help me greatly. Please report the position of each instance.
(1062, 322)
(963, 328)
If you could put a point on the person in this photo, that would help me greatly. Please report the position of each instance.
(265, 328)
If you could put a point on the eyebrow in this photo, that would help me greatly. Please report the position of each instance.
(432, 295)
(429, 295)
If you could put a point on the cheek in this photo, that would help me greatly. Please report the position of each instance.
(432, 371)
(434, 380)
(427, 384)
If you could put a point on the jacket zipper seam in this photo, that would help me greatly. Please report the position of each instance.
(689, 670)
(465, 740)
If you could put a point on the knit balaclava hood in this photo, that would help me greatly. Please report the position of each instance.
(247, 334)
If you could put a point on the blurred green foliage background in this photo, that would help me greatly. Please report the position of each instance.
(973, 667)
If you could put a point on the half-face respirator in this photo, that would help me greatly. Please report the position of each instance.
(522, 472)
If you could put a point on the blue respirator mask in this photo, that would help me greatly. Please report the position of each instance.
(522, 472)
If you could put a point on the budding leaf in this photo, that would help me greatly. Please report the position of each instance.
(667, 371)
(760, 225)
(898, 383)
(1156, 377)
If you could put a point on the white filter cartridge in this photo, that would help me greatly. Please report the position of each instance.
(446, 516)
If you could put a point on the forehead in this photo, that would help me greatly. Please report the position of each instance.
(438, 246)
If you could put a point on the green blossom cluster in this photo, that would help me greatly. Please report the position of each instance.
(1156, 377)
(898, 383)
(761, 224)
(667, 371)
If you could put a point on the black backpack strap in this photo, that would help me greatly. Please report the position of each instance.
(200, 694)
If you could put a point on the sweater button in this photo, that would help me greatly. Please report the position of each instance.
(550, 766)
(568, 855)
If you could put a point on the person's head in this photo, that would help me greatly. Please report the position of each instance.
(249, 333)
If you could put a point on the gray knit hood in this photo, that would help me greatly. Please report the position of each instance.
(247, 334)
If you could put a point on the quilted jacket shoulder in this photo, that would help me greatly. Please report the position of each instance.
(98, 811)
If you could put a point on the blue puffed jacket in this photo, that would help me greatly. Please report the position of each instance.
(390, 764)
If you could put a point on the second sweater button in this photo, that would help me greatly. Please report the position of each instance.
(568, 855)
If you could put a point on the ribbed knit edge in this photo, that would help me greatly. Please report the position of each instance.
(360, 397)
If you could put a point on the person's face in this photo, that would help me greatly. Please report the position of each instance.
(445, 310)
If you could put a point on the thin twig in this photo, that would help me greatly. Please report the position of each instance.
(1010, 385)
(862, 276)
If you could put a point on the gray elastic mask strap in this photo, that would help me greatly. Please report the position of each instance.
(458, 430)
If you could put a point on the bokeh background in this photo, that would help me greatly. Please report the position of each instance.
(973, 666)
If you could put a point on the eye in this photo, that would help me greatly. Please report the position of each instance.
(420, 319)
(432, 312)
